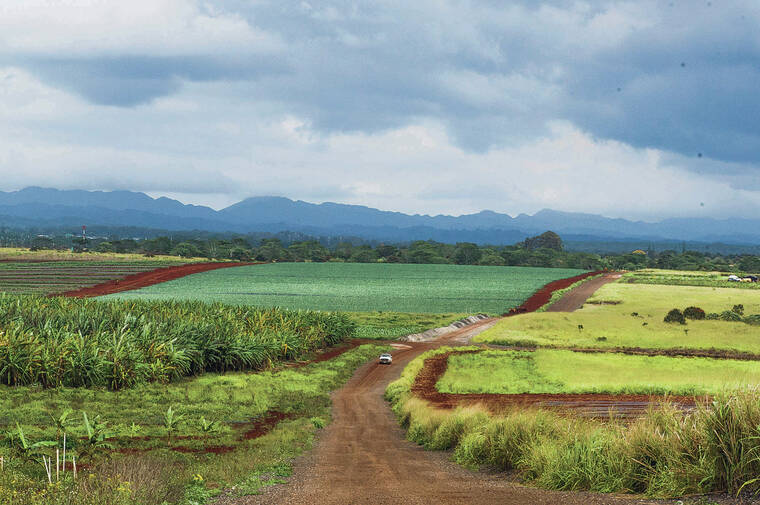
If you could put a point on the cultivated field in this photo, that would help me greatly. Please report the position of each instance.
(522, 407)
(363, 287)
(632, 315)
(51, 272)
(686, 278)
(568, 372)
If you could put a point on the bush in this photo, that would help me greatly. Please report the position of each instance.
(730, 315)
(712, 316)
(694, 313)
(675, 316)
(739, 309)
(753, 319)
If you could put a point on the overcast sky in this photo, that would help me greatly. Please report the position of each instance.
(640, 109)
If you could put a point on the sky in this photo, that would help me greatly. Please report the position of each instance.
(641, 109)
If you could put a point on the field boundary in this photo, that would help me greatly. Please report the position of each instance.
(149, 278)
(597, 405)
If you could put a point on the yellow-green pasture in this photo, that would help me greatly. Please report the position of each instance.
(631, 315)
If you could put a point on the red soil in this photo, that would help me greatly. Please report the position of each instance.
(591, 405)
(543, 295)
(144, 279)
(263, 425)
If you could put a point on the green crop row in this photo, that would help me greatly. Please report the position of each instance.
(73, 342)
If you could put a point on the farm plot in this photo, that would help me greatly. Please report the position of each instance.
(363, 287)
(49, 277)
(622, 315)
(686, 278)
(175, 443)
(568, 372)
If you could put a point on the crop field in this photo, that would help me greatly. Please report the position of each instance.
(686, 278)
(82, 342)
(166, 443)
(362, 287)
(391, 325)
(560, 371)
(52, 277)
(632, 315)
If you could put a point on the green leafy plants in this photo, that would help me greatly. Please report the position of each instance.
(171, 423)
(694, 313)
(675, 316)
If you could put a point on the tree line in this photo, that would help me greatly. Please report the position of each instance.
(545, 250)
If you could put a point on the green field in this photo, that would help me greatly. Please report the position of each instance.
(140, 464)
(686, 278)
(362, 287)
(558, 371)
(608, 320)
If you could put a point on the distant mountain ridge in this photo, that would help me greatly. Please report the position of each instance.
(45, 207)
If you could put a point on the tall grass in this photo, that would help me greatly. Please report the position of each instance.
(665, 453)
(72, 342)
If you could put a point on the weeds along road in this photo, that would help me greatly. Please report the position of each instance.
(362, 457)
(575, 298)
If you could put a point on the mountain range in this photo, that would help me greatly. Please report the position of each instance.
(52, 208)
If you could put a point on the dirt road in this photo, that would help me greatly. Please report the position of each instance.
(144, 279)
(363, 457)
(574, 300)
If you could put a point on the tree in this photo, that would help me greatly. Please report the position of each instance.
(547, 240)
(467, 253)
(186, 250)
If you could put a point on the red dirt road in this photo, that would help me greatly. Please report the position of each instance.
(362, 457)
(144, 279)
(575, 299)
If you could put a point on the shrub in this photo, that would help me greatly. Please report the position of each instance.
(730, 315)
(694, 313)
(675, 316)
(739, 309)
(712, 315)
(753, 319)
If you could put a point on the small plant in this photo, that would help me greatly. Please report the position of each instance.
(207, 426)
(171, 423)
(134, 429)
(694, 313)
(634, 314)
(601, 339)
(675, 316)
(738, 308)
(580, 327)
(61, 422)
(96, 436)
(26, 449)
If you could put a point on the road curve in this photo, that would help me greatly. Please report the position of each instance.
(362, 457)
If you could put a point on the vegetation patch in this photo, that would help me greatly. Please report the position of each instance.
(665, 453)
(636, 322)
(179, 443)
(362, 287)
(391, 325)
(73, 342)
(559, 371)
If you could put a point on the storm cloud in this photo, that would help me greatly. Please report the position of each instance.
(297, 98)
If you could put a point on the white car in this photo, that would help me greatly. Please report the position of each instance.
(386, 359)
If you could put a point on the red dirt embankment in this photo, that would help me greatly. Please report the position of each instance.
(144, 279)
(592, 405)
(543, 295)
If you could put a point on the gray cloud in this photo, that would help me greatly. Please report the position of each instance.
(218, 87)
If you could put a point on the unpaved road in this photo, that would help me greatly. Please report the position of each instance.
(363, 457)
(149, 278)
(574, 300)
